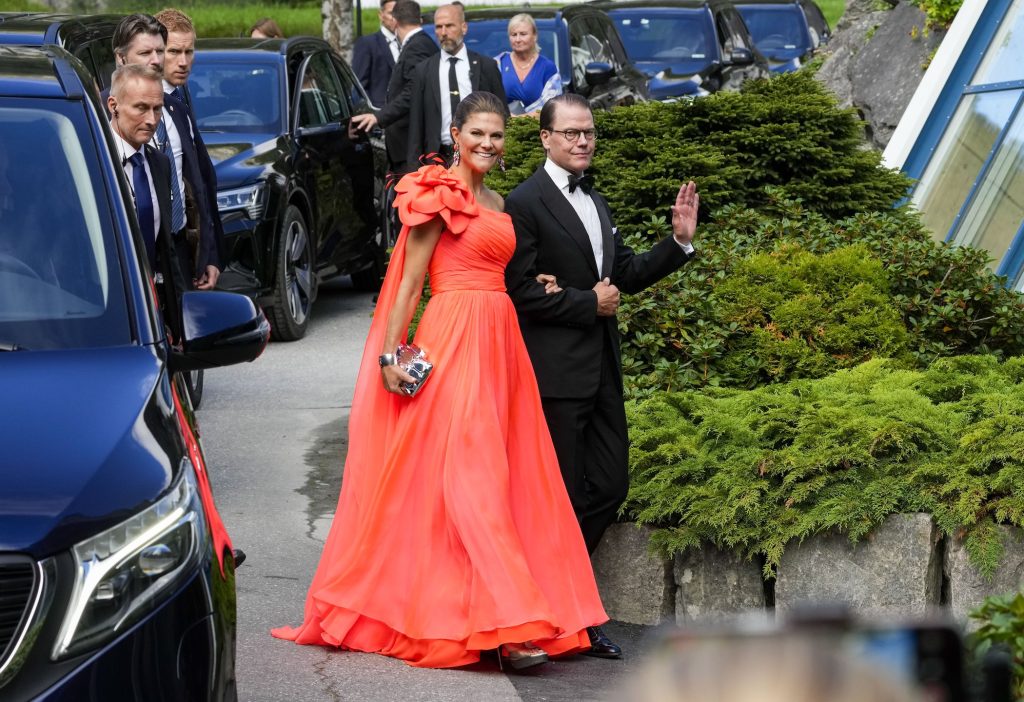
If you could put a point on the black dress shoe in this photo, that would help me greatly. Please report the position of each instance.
(239, 556)
(600, 645)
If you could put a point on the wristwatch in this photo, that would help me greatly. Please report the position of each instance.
(387, 359)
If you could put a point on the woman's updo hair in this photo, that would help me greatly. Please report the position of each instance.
(476, 102)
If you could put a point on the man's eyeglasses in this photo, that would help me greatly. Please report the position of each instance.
(573, 135)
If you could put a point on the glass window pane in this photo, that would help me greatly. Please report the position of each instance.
(958, 159)
(994, 216)
(1002, 60)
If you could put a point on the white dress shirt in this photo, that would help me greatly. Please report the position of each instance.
(392, 41)
(126, 151)
(584, 205)
(465, 87)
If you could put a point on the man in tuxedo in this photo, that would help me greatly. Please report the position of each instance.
(193, 165)
(394, 116)
(374, 56)
(135, 104)
(442, 81)
(565, 228)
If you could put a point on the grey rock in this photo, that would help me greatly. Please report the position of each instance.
(885, 73)
(714, 585)
(635, 585)
(896, 570)
(851, 35)
(967, 587)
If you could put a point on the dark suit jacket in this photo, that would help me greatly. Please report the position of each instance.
(214, 253)
(394, 116)
(564, 335)
(372, 63)
(425, 109)
(167, 258)
(193, 175)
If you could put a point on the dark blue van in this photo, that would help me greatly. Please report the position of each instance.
(116, 574)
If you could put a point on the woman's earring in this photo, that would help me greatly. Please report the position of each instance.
(501, 163)
(455, 155)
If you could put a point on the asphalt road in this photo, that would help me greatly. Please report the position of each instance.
(274, 433)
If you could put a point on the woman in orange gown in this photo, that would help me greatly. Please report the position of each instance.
(453, 533)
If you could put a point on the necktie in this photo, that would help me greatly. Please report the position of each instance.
(583, 182)
(177, 201)
(453, 84)
(179, 93)
(143, 204)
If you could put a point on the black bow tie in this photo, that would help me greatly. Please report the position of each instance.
(583, 182)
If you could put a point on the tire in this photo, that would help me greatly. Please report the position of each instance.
(294, 279)
(194, 386)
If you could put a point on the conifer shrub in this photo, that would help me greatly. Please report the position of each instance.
(753, 470)
(778, 166)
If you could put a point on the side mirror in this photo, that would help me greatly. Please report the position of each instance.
(598, 73)
(741, 57)
(221, 329)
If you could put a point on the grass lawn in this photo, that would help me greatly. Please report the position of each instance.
(220, 19)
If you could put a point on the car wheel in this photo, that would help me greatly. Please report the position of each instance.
(294, 280)
(194, 385)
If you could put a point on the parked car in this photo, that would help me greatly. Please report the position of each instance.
(300, 194)
(580, 39)
(787, 33)
(116, 576)
(687, 47)
(87, 37)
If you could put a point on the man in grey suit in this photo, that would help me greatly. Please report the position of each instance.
(442, 81)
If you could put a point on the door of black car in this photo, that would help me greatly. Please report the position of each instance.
(733, 38)
(321, 120)
(588, 44)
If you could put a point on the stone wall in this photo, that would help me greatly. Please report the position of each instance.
(903, 569)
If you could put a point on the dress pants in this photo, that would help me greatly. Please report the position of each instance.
(592, 445)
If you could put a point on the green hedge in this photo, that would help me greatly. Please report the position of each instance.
(752, 470)
(778, 165)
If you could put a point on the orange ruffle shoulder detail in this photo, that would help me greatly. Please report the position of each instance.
(433, 191)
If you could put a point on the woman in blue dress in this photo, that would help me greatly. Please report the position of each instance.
(530, 79)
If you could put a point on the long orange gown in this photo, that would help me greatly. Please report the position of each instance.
(453, 532)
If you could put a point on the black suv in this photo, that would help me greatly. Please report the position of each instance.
(579, 39)
(87, 37)
(300, 193)
(687, 47)
(117, 581)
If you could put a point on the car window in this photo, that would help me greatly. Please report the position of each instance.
(358, 102)
(321, 100)
(586, 47)
(776, 28)
(725, 38)
(737, 28)
(98, 57)
(680, 36)
(605, 34)
(234, 96)
(816, 23)
(60, 279)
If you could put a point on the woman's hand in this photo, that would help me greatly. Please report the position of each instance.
(549, 282)
(393, 377)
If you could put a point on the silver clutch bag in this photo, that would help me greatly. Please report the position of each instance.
(411, 359)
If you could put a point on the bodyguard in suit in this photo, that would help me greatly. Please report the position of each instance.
(194, 167)
(394, 116)
(374, 56)
(442, 81)
(565, 228)
(135, 104)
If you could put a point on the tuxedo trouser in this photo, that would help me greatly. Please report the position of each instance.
(592, 445)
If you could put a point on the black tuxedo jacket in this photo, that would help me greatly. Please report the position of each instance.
(192, 173)
(394, 116)
(563, 333)
(425, 108)
(372, 63)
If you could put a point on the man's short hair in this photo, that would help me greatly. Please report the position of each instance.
(460, 10)
(407, 13)
(547, 113)
(175, 21)
(132, 71)
(131, 27)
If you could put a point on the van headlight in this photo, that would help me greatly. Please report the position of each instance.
(121, 573)
(251, 198)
